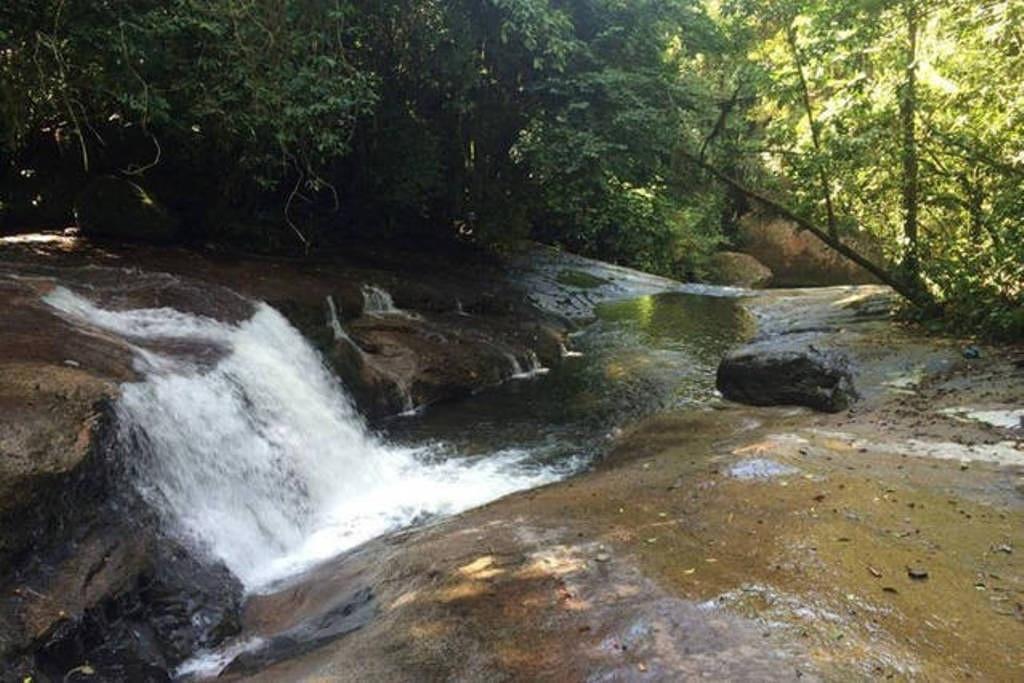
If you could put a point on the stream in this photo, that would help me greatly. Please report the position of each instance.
(713, 540)
(640, 356)
(251, 449)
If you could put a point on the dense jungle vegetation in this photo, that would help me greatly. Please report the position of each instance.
(636, 131)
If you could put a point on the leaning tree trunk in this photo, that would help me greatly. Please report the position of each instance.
(908, 288)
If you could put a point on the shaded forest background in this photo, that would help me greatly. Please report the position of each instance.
(637, 131)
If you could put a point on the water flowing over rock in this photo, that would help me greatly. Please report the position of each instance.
(260, 459)
(377, 301)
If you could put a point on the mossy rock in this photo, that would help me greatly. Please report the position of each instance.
(114, 208)
(580, 279)
(737, 270)
(799, 259)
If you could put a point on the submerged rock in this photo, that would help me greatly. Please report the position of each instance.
(766, 375)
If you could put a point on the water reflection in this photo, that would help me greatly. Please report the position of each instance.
(642, 355)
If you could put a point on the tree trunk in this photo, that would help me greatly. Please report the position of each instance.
(823, 176)
(908, 115)
(909, 289)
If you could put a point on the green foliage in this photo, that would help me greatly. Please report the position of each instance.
(266, 87)
(969, 119)
(494, 120)
(601, 149)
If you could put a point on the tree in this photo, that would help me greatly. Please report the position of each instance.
(855, 108)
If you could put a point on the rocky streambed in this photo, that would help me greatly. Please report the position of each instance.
(698, 537)
(730, 542)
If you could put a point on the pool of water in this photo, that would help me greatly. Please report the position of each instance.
(641, 356)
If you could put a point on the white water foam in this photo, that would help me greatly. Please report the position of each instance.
(261, 459)
(533, 367)
(334, 324)
(378, 301)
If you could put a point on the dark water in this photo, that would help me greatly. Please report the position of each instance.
(642, 356)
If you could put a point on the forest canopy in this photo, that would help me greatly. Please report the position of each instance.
(637, 131)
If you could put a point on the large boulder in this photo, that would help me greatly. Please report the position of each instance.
(767, 374)
(114, 208)
(734, 269)
(440, 344)
(799, 259)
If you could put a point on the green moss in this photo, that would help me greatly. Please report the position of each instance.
(577, 278)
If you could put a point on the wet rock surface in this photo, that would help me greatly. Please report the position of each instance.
(659, 564)
(86, 576)
(741, 543)
(515, 600)
(92, 585)
(457, 328)
(133, 605)
(664, 564)
(351, 614)
(767, 374)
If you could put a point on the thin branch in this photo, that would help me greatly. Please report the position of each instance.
(288, 206)
(139, 170)
(826, 182)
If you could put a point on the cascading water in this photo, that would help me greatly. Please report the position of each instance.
(378, 301)
(260, 458)
(533, 366)
(334, 323)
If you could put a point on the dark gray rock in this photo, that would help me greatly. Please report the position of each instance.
(350, 615)
(767, 374)
(118, 209)
(160, 608)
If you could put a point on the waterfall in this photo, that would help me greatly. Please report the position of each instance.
(335, 324)
(258, 458)
(378, 301)
(533, 366)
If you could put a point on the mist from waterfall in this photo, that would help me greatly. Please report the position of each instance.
(259, 457)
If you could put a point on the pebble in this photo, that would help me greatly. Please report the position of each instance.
(602, 557)
(917, 573)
